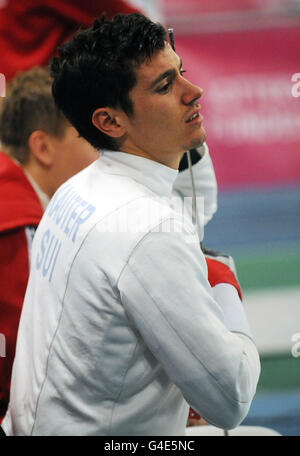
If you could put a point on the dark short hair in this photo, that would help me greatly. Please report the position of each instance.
(97, 68)
(29, 106)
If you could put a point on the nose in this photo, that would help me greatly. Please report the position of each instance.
(191, 93)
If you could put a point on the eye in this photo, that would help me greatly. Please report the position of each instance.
(165, 88)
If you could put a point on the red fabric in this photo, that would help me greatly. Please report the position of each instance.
(19, 207)
(14, 276)
(31, 30)
(193, 415)
(19, 204)
(218, 272)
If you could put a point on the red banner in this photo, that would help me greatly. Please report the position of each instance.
(184, 7)
(251, 102)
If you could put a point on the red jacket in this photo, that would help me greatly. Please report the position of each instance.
(31, 30)
(19, 208)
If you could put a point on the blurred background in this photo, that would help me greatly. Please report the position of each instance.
(245, 54)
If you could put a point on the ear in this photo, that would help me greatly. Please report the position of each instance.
(40, 147)
(109, 121)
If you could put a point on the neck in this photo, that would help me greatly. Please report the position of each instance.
(40, 176)
(168, 159)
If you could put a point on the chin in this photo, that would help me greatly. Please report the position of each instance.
(197, 142)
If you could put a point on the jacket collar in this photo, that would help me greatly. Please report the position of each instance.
(156, 176)
(44, 199)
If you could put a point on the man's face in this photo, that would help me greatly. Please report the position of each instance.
(163, 101)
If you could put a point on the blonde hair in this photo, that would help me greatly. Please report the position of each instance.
(28, 106)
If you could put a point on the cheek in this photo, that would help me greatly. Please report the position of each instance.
(160, 120)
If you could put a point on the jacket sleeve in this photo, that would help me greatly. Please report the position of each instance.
(205, 183)
(165, 292)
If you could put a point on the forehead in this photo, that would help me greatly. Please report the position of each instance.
(162, 61)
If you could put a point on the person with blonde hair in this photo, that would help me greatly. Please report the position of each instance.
(40, 150)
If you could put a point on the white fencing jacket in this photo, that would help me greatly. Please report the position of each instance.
(119, 331)
(205, 186)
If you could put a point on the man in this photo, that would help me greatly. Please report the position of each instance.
(44, 151)
(125, 333)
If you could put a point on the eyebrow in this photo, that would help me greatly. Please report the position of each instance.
(164, 75)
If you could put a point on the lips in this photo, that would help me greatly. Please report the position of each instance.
(193, 116)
